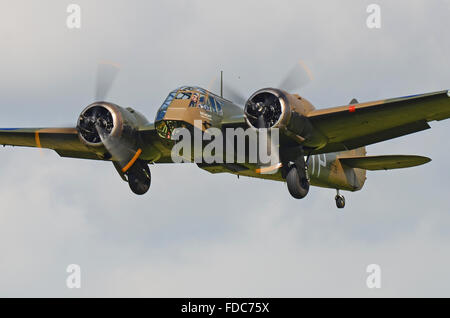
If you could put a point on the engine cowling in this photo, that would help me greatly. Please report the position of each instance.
(102, 123)
(112, 133)
(275, 108)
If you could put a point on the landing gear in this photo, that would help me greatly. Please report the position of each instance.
(297, 183)
(295, 173)
(139, 177)
(340, 200)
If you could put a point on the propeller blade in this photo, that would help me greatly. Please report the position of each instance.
(233, 95)
(117, 148)
(298, 77)
(261, 122)
(106, 74)
(250, 115)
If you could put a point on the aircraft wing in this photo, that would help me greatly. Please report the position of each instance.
(64, 141)
(356, 125)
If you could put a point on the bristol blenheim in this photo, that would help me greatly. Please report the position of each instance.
(319, 147)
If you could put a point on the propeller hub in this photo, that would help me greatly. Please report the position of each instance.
(265, 108)
(94, 119)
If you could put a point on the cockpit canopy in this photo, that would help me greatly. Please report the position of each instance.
(198, 97)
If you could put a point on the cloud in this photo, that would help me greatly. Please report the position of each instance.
(198, 234)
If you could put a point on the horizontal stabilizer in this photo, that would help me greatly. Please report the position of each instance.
(384, 162)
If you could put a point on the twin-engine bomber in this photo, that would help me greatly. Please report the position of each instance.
(319, 147)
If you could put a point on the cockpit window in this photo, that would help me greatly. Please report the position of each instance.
(219, 107)
(212, 104)
(183, 95)
(197, 97)
(194, 100)
(202, 102)
(166, 128)
(163, 109)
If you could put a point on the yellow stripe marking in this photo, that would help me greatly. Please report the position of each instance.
(37, 139)
(267, 169)
(132, 161)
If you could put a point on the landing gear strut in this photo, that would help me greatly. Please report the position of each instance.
(139, 177)
(340, 200)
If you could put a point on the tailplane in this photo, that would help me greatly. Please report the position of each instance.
(384, 162)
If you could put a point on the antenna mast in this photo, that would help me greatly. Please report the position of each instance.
(221, 84)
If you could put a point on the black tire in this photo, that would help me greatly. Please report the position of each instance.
(298, 186)
(340, 201)
(139, 178)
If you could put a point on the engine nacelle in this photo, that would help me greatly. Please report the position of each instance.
(275, 108)
(102, 122)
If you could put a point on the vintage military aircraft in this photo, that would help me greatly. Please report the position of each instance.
(320, 147)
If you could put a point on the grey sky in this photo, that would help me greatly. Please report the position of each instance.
(197, 234)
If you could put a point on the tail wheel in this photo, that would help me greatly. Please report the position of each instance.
(298, 186)
(139, 177)
(340, 201)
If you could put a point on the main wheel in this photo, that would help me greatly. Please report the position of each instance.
(139, 177)
(340, 201)
(298, 186)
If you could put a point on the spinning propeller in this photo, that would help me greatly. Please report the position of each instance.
(266, 109)
(97, 122)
